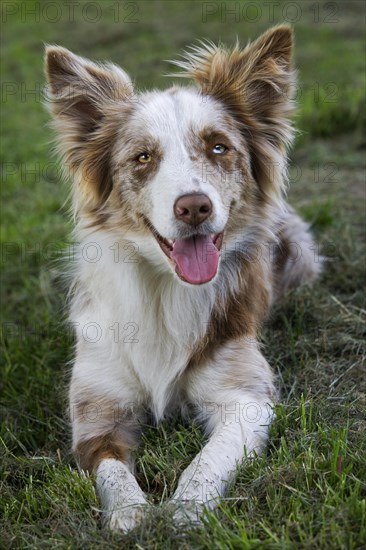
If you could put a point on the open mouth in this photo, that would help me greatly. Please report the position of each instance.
(196, 258)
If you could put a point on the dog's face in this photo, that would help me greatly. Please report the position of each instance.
(182, 170)
(182, 165)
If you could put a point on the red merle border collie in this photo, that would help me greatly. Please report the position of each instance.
(181, 193)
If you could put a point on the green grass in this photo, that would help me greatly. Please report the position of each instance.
(308, 489)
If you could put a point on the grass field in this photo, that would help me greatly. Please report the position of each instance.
(308, 489)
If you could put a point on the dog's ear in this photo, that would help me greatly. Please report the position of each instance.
(84, 98)
(80, 88)
(256, 85)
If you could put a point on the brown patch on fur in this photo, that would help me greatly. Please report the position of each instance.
(209, 137)
(133, 174)
(241, 314)
(105, 430)
(116, 444)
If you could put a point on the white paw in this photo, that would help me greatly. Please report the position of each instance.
(188, 512)
(125, 519)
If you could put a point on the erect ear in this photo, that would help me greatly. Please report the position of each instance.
(256, 86)
(84, 98)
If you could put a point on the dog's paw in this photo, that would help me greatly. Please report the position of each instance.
(124, 519)
(188, 513)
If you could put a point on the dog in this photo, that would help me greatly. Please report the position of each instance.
(185, 240)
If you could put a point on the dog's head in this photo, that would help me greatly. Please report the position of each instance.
(183, 170)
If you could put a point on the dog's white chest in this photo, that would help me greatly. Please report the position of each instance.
(147, 328)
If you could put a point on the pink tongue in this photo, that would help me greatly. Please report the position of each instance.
(197, 258)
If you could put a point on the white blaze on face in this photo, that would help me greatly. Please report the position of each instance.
(175, 119)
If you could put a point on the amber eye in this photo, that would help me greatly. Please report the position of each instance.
(144, 158)
(219, 149)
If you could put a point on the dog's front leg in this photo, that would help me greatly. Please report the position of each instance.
(105, 432)
(233, 396)
(208, 475)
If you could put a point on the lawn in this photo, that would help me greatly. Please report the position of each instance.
(308, 489)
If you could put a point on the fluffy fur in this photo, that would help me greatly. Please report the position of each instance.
(152, 334)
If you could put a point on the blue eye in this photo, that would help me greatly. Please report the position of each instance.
(219, 149)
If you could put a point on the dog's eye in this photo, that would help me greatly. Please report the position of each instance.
(219, 149)
(144, 158)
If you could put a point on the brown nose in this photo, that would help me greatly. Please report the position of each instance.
(193, 209)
